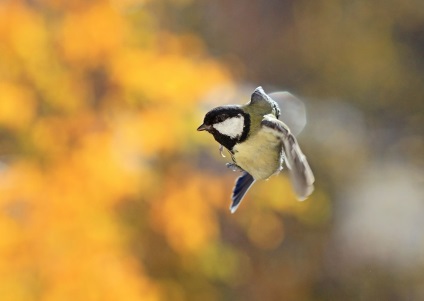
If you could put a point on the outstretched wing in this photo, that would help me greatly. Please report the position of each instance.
(243, 184)
(293, 111)
(300, 172)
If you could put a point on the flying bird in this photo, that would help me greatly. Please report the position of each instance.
(259, 144)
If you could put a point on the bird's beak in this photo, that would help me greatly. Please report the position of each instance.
(204, 127)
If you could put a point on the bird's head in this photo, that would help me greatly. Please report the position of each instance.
(228, 125)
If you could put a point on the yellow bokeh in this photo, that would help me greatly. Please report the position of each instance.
(88, 36)
(92, 104)
(17, 106)
(185, 217)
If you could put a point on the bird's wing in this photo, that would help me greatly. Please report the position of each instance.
(259, 95)
(243, 184)
(293, 112)
(300, 172)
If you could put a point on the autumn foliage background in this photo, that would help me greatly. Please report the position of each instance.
(107, 192)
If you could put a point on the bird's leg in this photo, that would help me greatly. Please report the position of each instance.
(234, 167)
(221, 150)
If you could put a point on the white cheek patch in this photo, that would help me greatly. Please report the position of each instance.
(231, 127)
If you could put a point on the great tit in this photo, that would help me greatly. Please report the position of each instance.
(259, 144)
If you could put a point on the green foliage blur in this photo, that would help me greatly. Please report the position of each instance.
(107, 192)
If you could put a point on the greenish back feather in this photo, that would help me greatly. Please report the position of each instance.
(257, 110)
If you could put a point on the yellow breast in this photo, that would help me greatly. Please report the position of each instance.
(259, 155)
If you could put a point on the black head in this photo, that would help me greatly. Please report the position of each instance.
(228, 125)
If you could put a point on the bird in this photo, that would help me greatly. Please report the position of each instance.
(259, 144)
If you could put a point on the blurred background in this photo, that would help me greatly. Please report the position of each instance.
(107, 192)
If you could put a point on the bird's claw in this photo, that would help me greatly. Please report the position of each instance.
(221, 150)
(234, 167)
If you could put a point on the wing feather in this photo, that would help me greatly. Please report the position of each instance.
(300, 172)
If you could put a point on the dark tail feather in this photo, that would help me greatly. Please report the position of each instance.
(243, 184)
